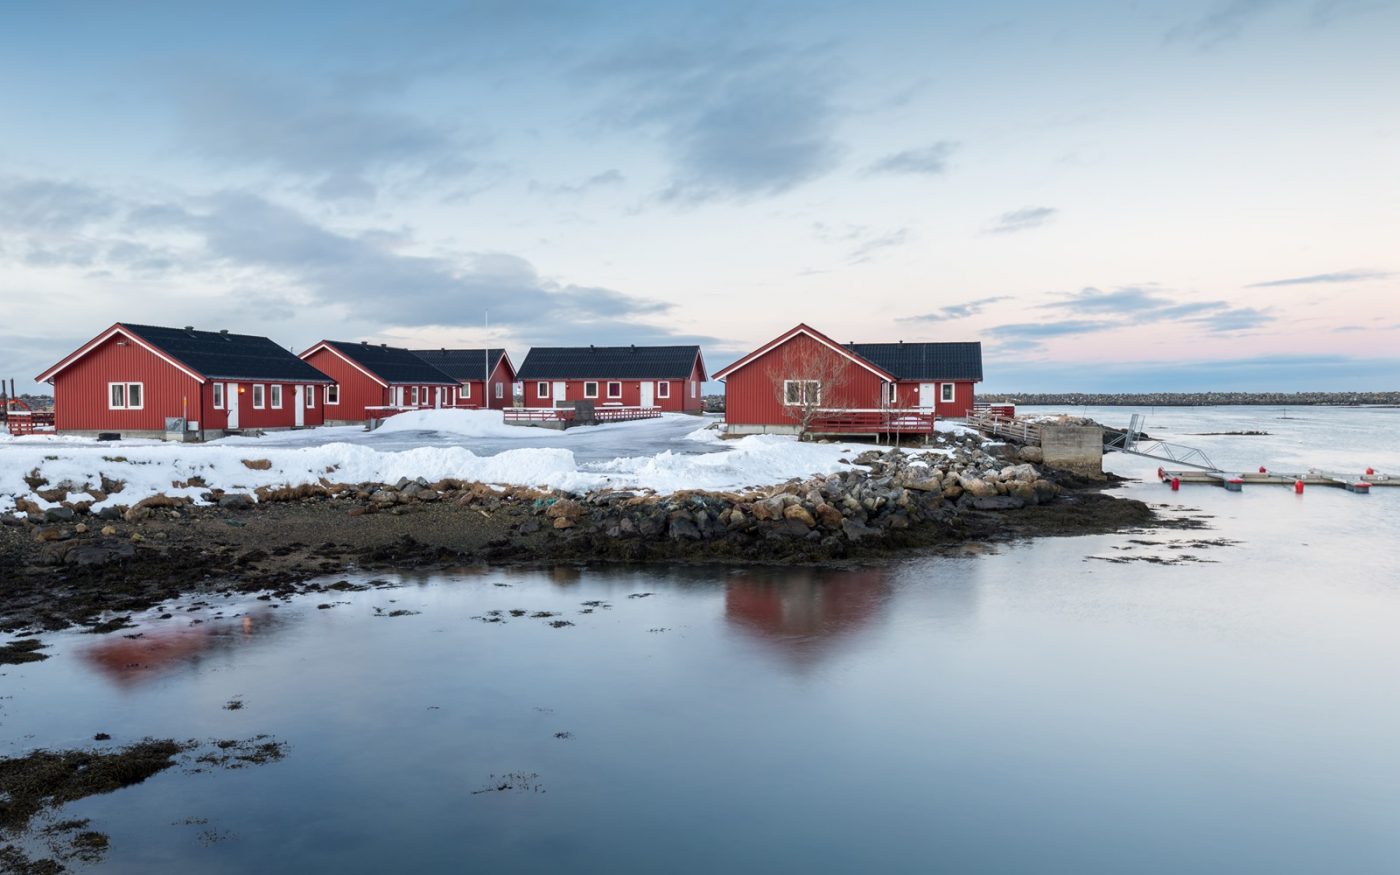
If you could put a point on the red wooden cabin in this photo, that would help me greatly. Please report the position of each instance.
(373, 381)
(857, 386)
(663, 377)
(470, 367)
(131, 379)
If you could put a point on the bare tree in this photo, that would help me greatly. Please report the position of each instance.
(808, 380)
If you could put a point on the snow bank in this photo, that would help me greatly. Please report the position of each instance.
(469, 423)
(149, 469)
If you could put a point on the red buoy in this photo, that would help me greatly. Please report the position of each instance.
(1176, 484)
(1263, 470)
(1161, 474)
(1370, 471)
(1298, 486)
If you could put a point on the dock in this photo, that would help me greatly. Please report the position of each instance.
(1235, 482)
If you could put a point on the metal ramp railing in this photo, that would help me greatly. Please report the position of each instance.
(1130, 441)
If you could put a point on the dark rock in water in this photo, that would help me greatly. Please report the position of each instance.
(237, 501)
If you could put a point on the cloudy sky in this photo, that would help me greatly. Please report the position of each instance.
(1191, 195)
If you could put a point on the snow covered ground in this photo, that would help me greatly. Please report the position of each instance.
(668, 454)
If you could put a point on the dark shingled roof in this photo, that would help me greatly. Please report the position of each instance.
(392, 364)
(228, 356)
(924, 361)
(464, 364)
(609, 362)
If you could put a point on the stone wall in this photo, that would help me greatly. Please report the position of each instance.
(1077, 448)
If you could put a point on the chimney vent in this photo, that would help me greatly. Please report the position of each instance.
(189, 327)
(223, 331)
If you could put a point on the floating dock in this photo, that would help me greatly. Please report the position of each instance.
(1235, 482)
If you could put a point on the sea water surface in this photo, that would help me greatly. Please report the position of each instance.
(1221, 699)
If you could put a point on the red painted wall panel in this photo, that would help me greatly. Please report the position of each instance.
(501, 376)
(679, 400)
(81, 398)
(357, 391)
(907, 395)
(750, 394)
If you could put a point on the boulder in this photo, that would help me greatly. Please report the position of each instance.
(799, 513)
(236, 501)
(1031, 454)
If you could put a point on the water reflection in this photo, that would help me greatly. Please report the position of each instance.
(805, 614)
(129, 661)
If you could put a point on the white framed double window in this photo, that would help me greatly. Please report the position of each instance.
(275, 395)
(802, 392)
(310, 397)
(614, 389)
(259, 396)
(332, 395)
(542, 390)
(663, 389)
(590, 389)
(946, 391)
(218, 395)
(126, 396)
(464, 390)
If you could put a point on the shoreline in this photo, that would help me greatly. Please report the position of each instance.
(56, 578)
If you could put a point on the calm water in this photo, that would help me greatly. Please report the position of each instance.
(1036, 708)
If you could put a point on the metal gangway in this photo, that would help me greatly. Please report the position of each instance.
(1130, 441)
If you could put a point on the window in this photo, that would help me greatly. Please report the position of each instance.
(332, 394)
(614, 390)
(415, 396)
(796, 392)
(464, 390)
(542, 390)
(276, 396)
(500, 390)
(218, 396)
(663, 389)
(694, 388)
(893, 393)
(590, 389)
(259, 396)
(310, 397)
(948, 389)
(125, 396)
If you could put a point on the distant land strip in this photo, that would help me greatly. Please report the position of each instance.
(1194, 399)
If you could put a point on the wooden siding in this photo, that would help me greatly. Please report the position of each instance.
(964, 392)
(357, 391)
(751, 393)
(80, 390)
(501, 376)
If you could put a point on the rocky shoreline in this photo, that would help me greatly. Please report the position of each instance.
(67, 565)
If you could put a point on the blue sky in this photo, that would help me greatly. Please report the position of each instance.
(1110, 196)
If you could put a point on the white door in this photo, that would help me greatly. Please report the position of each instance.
(648, 394)
(231, 390)
(299, 402)
(437, 397)
(926, 396)
(560, 393)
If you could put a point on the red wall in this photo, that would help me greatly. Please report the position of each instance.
(502, 376)
(907, 395)
(80, 390)
(249, 417)
(750, 393)
(357, 391)
(680, 400)
(80, 394)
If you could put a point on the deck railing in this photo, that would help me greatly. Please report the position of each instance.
(1006, 426)
(22, 422)
(873, 421)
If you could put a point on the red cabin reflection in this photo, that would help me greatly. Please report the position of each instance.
(132, 661)
(805, 612)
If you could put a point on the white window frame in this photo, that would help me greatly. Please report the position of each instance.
(611, 393)
(274, 396)
(333, 395)
(500, 390)
(218, 396)
(802, 386)
(310, 397)
(893, 393)
(259, 396)
(542, 390)
(414, 396)
(663, 389)
(126, 396)
(695, 389)
(464, 391)
(588, 394)
(947, 392)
